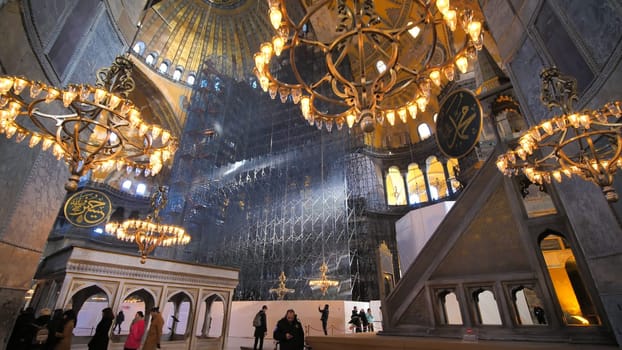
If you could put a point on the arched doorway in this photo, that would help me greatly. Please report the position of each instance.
(211, 317)
(176, 314)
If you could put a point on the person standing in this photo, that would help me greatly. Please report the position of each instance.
(261, 327)
(363, 317)
(42, 329)
(324, 317)
(137, 329)
(155, 330)
(99, 341)
(539, 312)
(118, 321)
(370, 320)
(289, 332)
(55, 325)
(66, 335)
(23, 331)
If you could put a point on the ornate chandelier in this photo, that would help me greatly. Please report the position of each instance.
(150, 233)
(369, 74)
(323, 283)
(89, 127)
(586, 143)
(281, 291)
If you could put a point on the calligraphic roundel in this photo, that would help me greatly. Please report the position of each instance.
(88, 208)
(459, 123)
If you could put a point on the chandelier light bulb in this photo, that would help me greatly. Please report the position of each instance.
(260, 62)
(390, 115)
(52, 94)
(547, 126)
(403, 114)
(18, 85)
(68, 97)
(273, 88)
(278, 43)
(442, 5)
(474, 29)
(422, 103)
(264, 82)
(266, 50)
(275, 17)
(435, 76)
(5, 84)
(451, 19)
(99, 95)
(305, 106)
(350, 119)
(34, 140)
(462, 63)
(412, 110)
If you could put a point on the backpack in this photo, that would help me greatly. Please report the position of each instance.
(41, 336)
(257, 320)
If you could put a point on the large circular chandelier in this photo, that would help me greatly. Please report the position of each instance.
(89, 127)
(587, 144)
(369, 74)
(149, 233)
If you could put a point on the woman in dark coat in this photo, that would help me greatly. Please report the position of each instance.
(100, 338)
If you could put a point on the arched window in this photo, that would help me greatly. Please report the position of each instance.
(163, 68)
(139, 48)
(396, 194)
(436, 178)
(140, 189)
(88, 303)
(572, 294)
(150, 60)
(487, 308)
(450, 308)
(211, 317)
(416, 185)
(191, 79)
(528, 307)
(139, 300)
(424, 131)
(177, 74)
(127, 184)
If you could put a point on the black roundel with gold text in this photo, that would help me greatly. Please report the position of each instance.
(459, 123)
(87, 208)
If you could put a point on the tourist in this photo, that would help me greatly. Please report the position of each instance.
(261, 327)
(289, 332)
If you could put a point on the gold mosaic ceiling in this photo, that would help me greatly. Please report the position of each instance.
(183, 33)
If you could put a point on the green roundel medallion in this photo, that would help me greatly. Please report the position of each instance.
(88, 208)
(459, 123)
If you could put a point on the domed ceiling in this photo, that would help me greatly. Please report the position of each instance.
(184, 33)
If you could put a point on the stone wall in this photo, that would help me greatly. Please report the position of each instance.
(583, 40)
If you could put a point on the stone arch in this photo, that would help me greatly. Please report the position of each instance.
(211, 316)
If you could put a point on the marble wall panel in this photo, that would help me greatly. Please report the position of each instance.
(102, 46)
(599, 24)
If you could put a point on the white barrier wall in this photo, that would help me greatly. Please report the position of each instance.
(415, 228)
(307, 310)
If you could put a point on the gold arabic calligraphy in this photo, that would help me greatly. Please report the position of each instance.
(87, 208)
(461, 116)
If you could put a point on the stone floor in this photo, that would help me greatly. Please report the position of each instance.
(372, 342)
